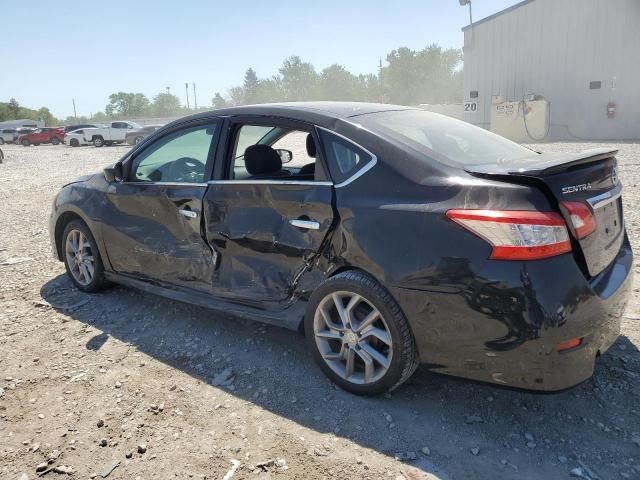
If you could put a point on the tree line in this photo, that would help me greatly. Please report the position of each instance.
(409, 77)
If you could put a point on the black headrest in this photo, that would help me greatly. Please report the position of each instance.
(311, 146)
(261, 160)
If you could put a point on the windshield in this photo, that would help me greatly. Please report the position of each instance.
(444, 138)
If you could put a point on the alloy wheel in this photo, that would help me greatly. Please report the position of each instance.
(352, 337)
(79, 257)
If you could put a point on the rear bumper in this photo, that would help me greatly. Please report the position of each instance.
(507, 331)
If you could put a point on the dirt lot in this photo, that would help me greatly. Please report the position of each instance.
(129, 379)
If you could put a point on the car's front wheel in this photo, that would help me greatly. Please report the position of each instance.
(25, 143)
(55, 141)
(81, 257)
(98, 141)
(74, 142)
(358, 335)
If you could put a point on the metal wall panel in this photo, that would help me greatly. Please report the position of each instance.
(555, 48)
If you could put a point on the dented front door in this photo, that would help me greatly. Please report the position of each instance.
(153, 231)
(265, 235)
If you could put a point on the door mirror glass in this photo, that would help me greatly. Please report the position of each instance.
(285, 155)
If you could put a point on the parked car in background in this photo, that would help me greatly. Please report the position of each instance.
(53, 135)
(76, 138)
(22, 131)
(134, 137)
(7, 135)
(395, 237)
(73, 128)
(115, 132)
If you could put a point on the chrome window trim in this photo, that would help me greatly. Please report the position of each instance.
(169, 184)
(268, 182)
(364, 169)
(606, 197)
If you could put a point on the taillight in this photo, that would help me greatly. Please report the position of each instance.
(581, 218)
(517, 234)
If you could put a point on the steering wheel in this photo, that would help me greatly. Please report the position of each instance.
(186, 169)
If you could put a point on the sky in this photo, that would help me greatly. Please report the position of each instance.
(86, 51)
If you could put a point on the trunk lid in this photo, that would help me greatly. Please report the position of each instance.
(589, 177)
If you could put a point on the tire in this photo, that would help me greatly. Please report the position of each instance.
(398, 351)
(74, 142)
(55, 141)
(137, 140)
(98, 141)
(97, 280)
(36, 144)
(1, 141)
(25, 143)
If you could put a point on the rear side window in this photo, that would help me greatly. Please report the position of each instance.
(343, 157)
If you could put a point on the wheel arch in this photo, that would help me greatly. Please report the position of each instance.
(62, 221)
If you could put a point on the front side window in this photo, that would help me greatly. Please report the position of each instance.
(178, 157)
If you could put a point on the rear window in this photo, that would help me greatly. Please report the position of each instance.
(443, 138)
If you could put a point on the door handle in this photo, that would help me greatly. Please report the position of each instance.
(306, 224)
(188, 213)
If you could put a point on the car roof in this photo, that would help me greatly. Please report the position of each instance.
(319, 112)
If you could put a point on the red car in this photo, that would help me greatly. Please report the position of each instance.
(53, 135)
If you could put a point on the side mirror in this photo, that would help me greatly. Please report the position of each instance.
(285, 155)
(114, 173)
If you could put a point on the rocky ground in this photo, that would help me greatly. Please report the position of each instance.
(132, 386)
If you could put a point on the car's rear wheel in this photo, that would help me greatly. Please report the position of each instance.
(55, 141)
(81, 257)
(25, 143)
(358, 335)
(74, 142)
(98, 141)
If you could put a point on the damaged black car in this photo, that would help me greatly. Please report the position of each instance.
(389, 236)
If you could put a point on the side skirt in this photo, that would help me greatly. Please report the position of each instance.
(290, 318)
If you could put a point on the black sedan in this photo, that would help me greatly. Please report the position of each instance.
(389, 236)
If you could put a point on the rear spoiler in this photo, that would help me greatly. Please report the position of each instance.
(542, 164)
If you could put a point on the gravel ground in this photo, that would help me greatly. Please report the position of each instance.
(152, 388)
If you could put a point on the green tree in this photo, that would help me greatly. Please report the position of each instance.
(218, 101)
(299, 79)
(45, 116)
(14, 108)
(166, 105)
(270, 90)
(337, 83)
(99, 117)
(429, 75)
(250, 86)
(127, 104)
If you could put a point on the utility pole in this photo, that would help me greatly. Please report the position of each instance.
(195, 99)
(462, 4)
(186, 88)
(74, 108)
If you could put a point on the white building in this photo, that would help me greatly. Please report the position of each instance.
(25, 122)
(583, 56)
